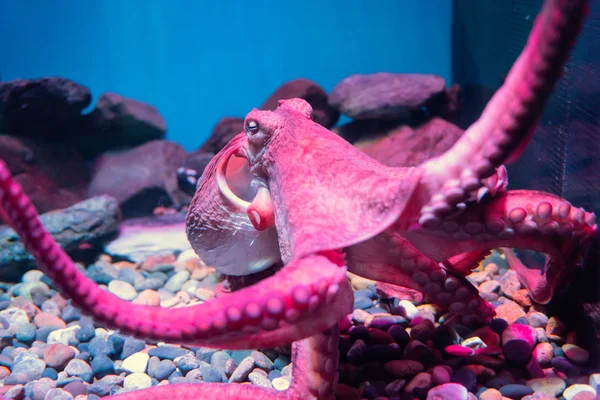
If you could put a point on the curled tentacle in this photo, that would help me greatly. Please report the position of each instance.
(271, 313)
(508, 121)
(393, 259)
(524, 219)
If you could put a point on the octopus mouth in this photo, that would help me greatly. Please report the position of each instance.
(247, 192)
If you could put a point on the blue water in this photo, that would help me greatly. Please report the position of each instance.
(197, 61)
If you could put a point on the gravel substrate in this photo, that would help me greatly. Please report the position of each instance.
(394, 345)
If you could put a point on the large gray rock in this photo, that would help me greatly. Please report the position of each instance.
(85, 222)
(117, 122)
(41, 107)
(385, 95)
(142, 178)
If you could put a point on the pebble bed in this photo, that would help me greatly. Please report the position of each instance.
(393, 346)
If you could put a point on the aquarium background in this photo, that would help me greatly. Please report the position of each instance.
(198, 61)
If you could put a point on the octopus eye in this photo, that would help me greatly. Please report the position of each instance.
(253, 127)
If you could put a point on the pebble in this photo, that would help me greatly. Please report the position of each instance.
(58, 394)
(518, 342)
(168, 352)
(122, 289)
(260, 380)
(137, 381)
(550, 386)
(403, 368)
(515, 391)
(448, 391)
(102, 365)
(575, 353)
(175, 282)
(491, 394)
(209, 374)
(543, 353)
(243, 369)
(573, 390)
(58, 355)
(137, 362)
(281, 383)
(77, 367)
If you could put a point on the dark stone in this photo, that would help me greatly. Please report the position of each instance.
(85, 333)
(167, 352)
(147, 177)
(70, 314)
(50, 373)
(465, 377)
(225, 130)
(131, 345)
(41, 107)
(516, 391)
(118, 122)
(385, 95)
(323, 113)
(84, 222)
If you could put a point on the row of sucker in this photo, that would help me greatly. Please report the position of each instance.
(507, 123)
(546, 215)
(446, 288)
(311, 288)
(315, 366)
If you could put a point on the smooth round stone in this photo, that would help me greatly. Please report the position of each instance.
(573, 390)
(31, 368)
(150, 284)
(274, 374)
(563, 365)
(243, 369)
(58, 394)
(419, 384)
(515, 391)
(33, 275)
(163, 370)
(168, 352)
(575, 353)
(466, 378)
(423, 331)
(148, 297)
(38, 389)
(536, 319)
(543, 353)
(550, 386)
(262, 361)
(399, 334)
(187, 362)
(458, 350)
(363, 303)
(441, 374)
(384, 322)
(418, 351)
(356, 351)
(85, 333)
(137, 381)
(63, 336)
(50, 373)
(76, 388)
(70, 314)
(99, 346)
(379, 337)
(410, 311)
(131, 345)
(489, 287)
(382, 353)
(26, 333)
(281, 383)
(58, 355)
(448, 391)
(122, 289)
(595, 382)
(137, 362)
(130, 275)
(209, 374)
(102, 365)
(403, 368)
(518, 342)
(77, 367)
(259, 380)
(175, 282)
(491, 394)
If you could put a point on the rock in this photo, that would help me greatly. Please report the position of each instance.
(58, 355)
(148, 297)
(385, 95)
(31, 369)
(122, 289)
(77, 367)
(168, 352)
(141, 238)
(448, 391)
(243, 369)
(537, 319)
(515, 391)
(403, 368)
(491, 394)
(162, 370)
(58, 394)
(575, 353)
(225, 130)
(259, 380)
(543, 353)
(550, 386)
(147, 177)
(422, 381)
(136, 363)
(117, 122)
(176, 281)
(510, 312)
(509, 283)
(323, 113)
(137, 381)
(191, 170)
(102, 366)
(595, 382)
(573, 390)
(64, 336)
(407, 147)
(84, 222)
(518, 342)
(281, 383)
(41, 107)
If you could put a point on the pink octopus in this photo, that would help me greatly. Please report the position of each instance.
(289, 191)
